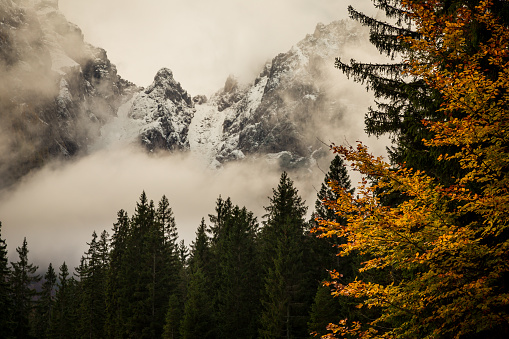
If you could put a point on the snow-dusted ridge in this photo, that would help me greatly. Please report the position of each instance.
(278, 117)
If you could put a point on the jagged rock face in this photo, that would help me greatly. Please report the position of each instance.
(231, 93)
(286, 110)
(166, 110)
(60, 97)
(56, 91)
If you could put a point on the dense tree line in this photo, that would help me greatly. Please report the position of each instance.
(241, 278)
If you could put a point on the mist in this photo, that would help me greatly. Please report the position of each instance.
(202, 42)
(59, 207)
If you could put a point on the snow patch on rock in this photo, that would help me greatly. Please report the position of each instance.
(206, 133)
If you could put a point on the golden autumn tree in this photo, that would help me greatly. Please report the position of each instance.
(445, 248)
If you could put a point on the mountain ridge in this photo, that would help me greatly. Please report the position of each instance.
(280, 115)
(68, 100)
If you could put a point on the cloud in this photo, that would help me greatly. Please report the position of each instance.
(201, 41)
(59, 207)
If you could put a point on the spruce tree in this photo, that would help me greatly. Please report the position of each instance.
(164, 216)
(144, 271)
(173, 318)
(23, 279)
(139, 265)
(93, 274)
(117, 278)
(198, 321)
(45, 304)
(161, 255)
(171, 251)
(404, 102)
(288, 282)
(6, 304)
(401, 102)
(177, 299)
(183, 252)
(238, 271)
(200, 248)
(64, 316)
(326, 248)
(337, 175)
(325, 310)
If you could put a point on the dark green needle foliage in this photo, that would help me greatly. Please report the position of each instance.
(23, 280)
(6, 302)
(289, 284)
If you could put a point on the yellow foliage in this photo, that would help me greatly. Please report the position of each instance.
(449, 244)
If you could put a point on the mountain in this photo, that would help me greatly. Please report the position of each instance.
(291, 104)
(280, 117)
(56, 91)
(61, 97)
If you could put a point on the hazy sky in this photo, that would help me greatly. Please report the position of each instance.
(201, 41)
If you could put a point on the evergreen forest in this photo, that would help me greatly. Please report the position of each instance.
(239, 279)
(419, 249)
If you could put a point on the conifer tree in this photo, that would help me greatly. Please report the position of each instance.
(116, 289)
(337, 175)
(173, 318)
(139, 264)
(63, 319)
(325, 310)
(401, 102)
(171, 251)
(183, 252)
(45, 304)
(197, 321)
(327, 248)
(238, 271)
(176, 303)
(161, 256)
(92, 272)
(200, 248)
(289, 284)
(223, 210)
(145, 270)
(6, 304)
(164, 216)
(23, 279)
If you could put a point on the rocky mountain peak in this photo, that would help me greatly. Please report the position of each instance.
(163, 113)
(320, 28)
(162, 79)
(230, 94)
(165, 86)
(231, 84)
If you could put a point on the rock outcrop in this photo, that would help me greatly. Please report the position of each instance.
(167, 110)
(56, 91)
